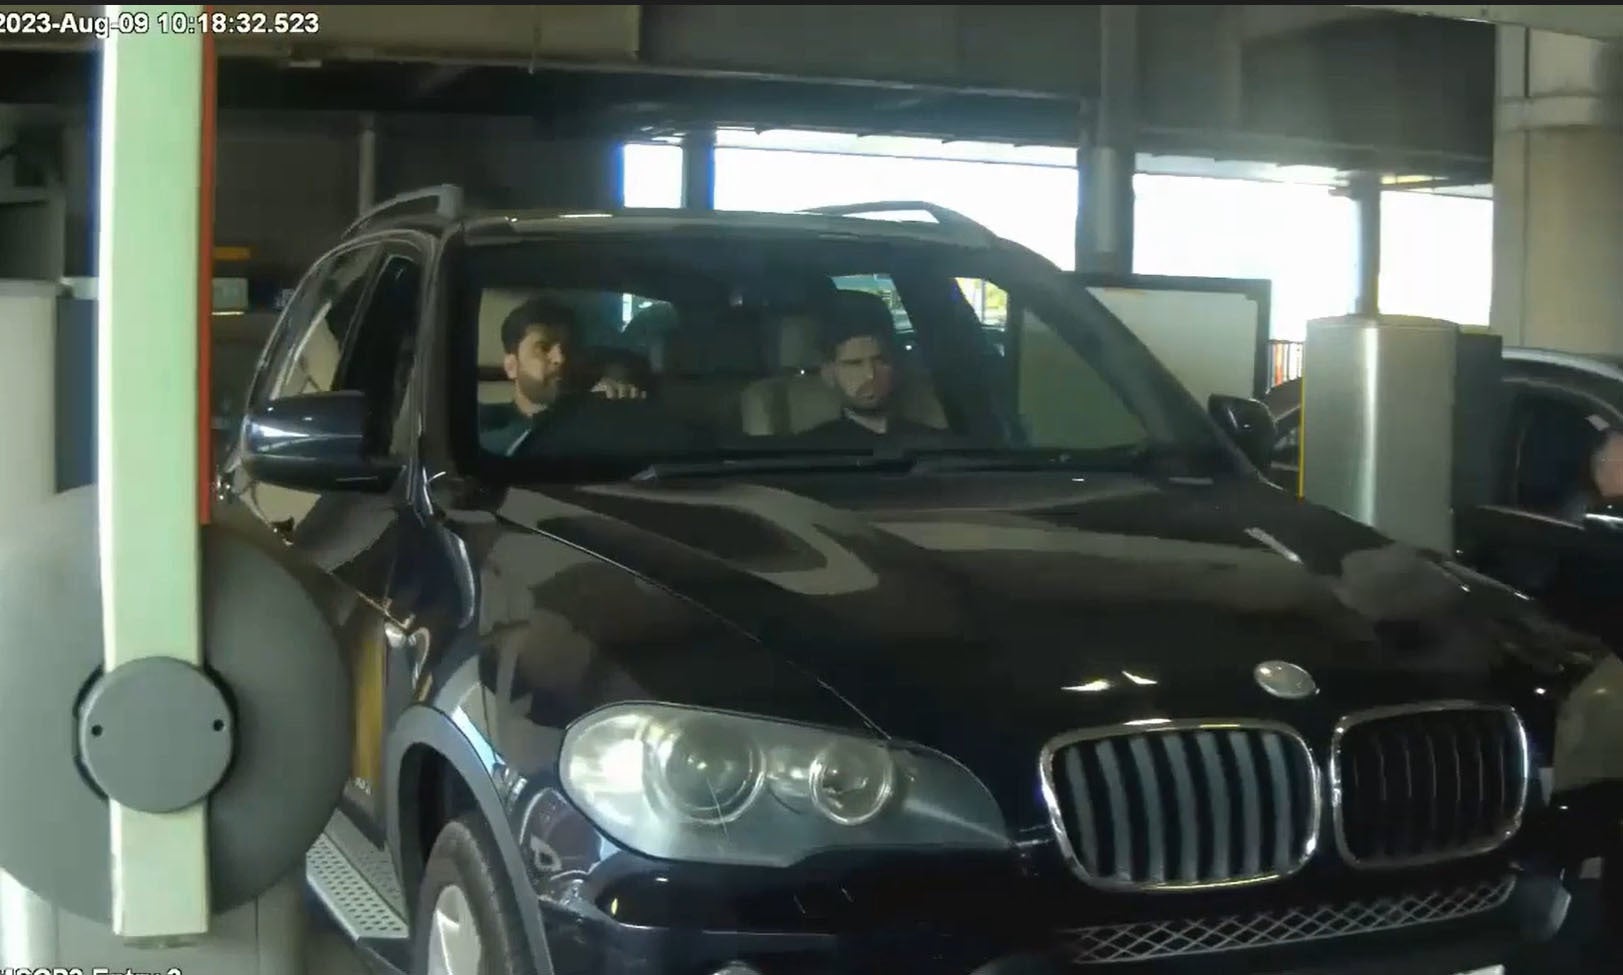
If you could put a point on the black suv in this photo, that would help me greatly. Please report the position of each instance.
(670, 684)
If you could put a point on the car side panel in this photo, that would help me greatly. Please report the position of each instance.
(456, 739)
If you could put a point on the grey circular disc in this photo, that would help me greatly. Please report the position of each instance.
(161, 757)
(267, 642)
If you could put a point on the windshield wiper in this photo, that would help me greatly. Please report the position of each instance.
(780, 463)
(1151, 458)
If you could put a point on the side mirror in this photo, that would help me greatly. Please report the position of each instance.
(314, 442)
(1249, 424)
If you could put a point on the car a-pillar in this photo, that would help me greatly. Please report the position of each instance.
(174, 714)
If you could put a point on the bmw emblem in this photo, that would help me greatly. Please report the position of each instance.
(1283, 679)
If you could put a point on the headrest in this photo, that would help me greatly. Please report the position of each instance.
(858, 313)
(797, 339)
(800, 337)
(729, 347)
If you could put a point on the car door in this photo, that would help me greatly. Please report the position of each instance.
(348, 327)
(1539, 536)
(368, 532)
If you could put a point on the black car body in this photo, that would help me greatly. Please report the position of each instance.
(945, 711)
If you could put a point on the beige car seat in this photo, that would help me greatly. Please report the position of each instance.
(705, 367)
(798, 399)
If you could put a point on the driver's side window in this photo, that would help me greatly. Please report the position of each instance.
(316, 329)
(1551, 437)
(305, 357)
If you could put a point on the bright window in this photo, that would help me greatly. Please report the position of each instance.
(1437, 256)
(1026, 194)
(652, 175)
(1302, 237)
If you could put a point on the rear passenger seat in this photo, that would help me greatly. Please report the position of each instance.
(706, 367)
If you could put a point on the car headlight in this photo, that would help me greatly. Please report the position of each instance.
(685, 784)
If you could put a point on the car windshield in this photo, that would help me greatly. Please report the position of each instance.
(611, 354)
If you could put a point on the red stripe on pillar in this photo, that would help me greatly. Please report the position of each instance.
(205, 286)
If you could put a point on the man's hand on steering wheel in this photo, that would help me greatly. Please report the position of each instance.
(617, 389)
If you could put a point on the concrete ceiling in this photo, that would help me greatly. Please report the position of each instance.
(1601, 21)
(1333, 85)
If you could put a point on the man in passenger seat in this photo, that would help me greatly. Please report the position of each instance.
(536, 337)
(859, 338)
(1599, 471)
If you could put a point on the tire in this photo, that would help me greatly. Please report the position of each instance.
(465, 862)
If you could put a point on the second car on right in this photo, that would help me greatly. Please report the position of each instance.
(1547, 531)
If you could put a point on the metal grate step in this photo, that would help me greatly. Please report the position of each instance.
(343, 890)
(372, 862)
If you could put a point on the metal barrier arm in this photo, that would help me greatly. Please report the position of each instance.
(147, 428)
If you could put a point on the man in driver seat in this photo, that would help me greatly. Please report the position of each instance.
(537, 337)
(858, 339)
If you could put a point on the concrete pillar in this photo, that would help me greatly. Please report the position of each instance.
(1108, 155)
(699, 170)
(366, 189)
(1365, 192)
(1558, 192)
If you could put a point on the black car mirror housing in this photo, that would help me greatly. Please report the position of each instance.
(1248, 423)
(315, 442)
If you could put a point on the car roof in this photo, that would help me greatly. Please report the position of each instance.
(1600, 366)
(1605, 367)
(496, 224)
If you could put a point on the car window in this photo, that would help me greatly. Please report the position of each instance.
(316, 327)
(1286, 447)
(1063, 400)
(1552, 435)
(620, 334)
(990, 304)
(380, 360)
(793, 345)
(308, 355)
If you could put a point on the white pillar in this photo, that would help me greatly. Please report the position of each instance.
(148, 262)
(1558, 193)
(148, 315)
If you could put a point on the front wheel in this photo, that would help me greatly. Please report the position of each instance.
(467, 921)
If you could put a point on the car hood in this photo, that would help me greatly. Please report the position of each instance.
(969, 612)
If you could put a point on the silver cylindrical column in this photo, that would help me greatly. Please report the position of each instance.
(1399, 419)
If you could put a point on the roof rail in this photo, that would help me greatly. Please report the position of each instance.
(943, 216)
(446, 198)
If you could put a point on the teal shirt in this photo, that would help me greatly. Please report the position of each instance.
(500, 427)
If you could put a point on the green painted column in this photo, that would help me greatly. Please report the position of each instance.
(150, 141)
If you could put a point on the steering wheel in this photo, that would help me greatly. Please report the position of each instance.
(587, 424)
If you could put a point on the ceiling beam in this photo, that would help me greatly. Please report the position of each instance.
(1602, 21)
